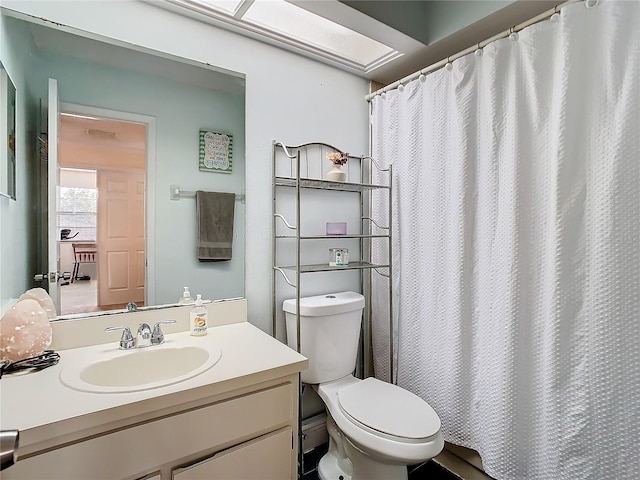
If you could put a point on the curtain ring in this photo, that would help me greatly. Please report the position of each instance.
(449, 65)
(555, 18)
(478, 51)
(513, 36)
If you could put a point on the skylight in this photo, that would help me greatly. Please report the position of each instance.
(294, 22)
(292, 26)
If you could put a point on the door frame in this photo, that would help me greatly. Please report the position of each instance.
(149, 180)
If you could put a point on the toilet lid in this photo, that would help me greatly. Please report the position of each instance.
(389, 409)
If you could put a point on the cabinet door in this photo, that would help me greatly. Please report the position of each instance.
(264, 458)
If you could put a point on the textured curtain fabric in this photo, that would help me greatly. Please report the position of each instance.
(516, 246)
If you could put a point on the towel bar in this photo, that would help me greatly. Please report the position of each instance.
(175, 193)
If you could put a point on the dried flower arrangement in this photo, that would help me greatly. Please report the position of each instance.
(338, 158)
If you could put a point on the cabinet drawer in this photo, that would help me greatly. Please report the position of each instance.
(264, 458)
(137, 450)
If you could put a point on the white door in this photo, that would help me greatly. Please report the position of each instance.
(53, 250)
(121, 255)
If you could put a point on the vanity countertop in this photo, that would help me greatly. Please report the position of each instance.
(49, 414)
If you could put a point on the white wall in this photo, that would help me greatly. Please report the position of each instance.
(17, 222)
(288, 98)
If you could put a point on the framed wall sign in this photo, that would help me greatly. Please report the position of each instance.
(216, 151)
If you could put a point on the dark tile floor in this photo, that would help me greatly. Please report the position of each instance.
(427, 471)
(431, 471)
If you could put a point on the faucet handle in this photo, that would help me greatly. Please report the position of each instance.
(157, 337)
(127, 341)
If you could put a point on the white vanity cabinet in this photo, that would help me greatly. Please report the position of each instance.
(237, 420)
(245, 436)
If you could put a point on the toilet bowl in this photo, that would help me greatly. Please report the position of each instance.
(385, 427)
(375, 428)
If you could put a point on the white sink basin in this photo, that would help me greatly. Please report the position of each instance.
(140, 369)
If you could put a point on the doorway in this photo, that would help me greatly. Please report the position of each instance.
(101, 211)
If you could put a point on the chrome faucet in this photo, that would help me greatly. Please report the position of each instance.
(144, 337)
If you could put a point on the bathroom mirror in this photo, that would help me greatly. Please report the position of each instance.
(7, 134)
(170, 100)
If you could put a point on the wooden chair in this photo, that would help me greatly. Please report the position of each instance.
(83, 253)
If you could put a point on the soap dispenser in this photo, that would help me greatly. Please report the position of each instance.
(198, 317)
(186, 297)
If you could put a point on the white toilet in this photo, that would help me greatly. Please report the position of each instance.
(375, 428)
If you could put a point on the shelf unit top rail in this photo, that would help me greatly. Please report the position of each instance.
(287, 150)
(325, 267)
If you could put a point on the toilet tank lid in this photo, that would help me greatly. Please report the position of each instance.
(328, 304)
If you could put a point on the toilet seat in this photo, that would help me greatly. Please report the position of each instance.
(388, 410)
(391, 448)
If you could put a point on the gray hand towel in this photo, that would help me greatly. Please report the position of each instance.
(215, 225)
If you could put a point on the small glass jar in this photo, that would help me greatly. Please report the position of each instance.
(338, 257)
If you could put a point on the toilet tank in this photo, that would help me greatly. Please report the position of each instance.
(329, 333)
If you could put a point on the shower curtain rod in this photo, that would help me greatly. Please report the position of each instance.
(430, 69)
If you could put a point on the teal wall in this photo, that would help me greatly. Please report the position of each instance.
(446, 17)
(18, 217)
(410, 19)
(428, 21)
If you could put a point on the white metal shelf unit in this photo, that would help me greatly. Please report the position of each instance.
(302, 167)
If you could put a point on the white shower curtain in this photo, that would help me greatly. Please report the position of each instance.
(516, 246)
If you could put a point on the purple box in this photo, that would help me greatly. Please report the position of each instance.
(336, 228)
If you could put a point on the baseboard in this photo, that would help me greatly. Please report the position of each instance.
(314, 432)
(462, 462)
(466, 454)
